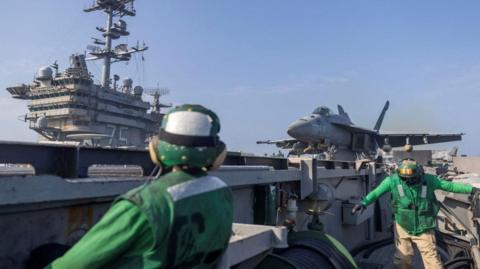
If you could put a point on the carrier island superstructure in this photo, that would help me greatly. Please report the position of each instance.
(70, 106)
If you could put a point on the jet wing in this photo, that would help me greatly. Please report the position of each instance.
(284, 143)
(353, 128)
(399, 140)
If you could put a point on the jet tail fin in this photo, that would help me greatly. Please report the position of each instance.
(382, 115)
(342, 112)
(453, 152)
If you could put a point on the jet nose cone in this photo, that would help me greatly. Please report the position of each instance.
(298, 129)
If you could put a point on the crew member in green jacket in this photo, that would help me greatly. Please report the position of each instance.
(182, 219)
(415, 207)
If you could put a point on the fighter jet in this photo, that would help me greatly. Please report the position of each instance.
(445, 155)
(324, 131)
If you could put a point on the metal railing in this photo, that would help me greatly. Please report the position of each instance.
(69, 161)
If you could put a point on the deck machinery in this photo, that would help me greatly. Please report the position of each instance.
(300, 209)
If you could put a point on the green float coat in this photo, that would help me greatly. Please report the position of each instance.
(177, 221)
(415, 206)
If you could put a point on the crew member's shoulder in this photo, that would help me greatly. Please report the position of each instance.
(392, 177)
(431, 177)
(157, 187)
(174, 177)
(196, 186)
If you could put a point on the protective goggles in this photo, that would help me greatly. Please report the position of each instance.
(407, 171)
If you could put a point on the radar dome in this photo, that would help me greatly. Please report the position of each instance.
(127, 82)
(44, 73)
(138, 90)
(42, 122)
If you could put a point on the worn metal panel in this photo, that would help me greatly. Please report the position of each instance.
(50, 191)
(243, 176)
(249, 240)
(308, 176)
(28, 230)
(243, 205)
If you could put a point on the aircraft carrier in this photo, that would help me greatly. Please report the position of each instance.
(69, 107)
(289, 212)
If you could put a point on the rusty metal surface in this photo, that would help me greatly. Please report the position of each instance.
(23, 231)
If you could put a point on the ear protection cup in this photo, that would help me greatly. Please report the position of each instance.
(221, 155)
(152, 146)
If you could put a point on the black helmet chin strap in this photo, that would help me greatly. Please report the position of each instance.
(412, 180)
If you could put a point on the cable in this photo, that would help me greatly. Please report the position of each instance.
(464, 261)
(361, 248)
(314, 253)
(370, 250)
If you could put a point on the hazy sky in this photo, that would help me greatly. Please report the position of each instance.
(262, 64)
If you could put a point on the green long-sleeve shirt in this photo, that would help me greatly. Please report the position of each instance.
(123, 231)
(386, 185)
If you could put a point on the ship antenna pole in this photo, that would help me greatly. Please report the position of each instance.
(108, 48)
(113, 31)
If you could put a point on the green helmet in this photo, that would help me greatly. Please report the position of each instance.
(188, 137)
(409, 168)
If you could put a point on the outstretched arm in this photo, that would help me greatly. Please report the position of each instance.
(452, 187)
(123, 230)
(377, 192)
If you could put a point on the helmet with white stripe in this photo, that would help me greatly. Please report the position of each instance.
(410, 171)
(408, 168)
(188, 137)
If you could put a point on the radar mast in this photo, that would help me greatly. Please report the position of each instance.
(156, 93)
(114, 30)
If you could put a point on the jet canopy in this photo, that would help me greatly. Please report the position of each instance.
(322, 110)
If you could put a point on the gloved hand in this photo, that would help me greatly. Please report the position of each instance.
(474, 200)
(475, 191)
(474, 195)
(358, 207)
